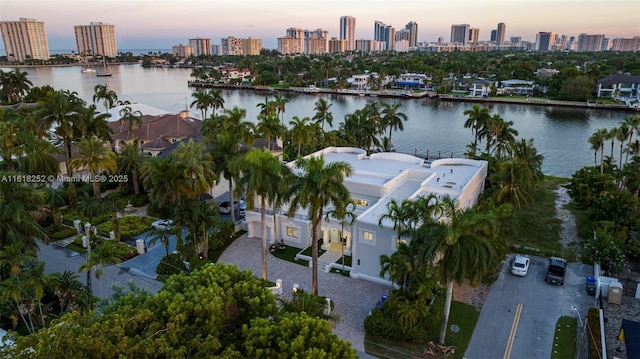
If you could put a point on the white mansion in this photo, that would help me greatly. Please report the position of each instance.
(377, 179)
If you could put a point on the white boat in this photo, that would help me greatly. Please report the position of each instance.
(106, 71)
(87, 70)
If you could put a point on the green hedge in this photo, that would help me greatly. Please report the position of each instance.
(130, 226)
(58, 233)
(593, 331)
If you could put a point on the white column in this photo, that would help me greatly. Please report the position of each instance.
(325, 239)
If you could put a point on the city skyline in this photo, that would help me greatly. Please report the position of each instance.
(146, 24)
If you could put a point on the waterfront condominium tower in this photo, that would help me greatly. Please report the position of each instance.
(590, 43)
(348, 31)
(500, 33)
(460, 34)
(545, 41)
(96, 39)
(412, 26)
(384, 34)
(24, 40)
(200, 46)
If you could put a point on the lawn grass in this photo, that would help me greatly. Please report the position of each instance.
(564, 341)
(535, 225)
(289, 254)
(463, 315)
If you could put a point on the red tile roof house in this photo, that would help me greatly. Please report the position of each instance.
(156, 132)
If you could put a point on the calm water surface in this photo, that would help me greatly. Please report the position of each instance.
(559, 134)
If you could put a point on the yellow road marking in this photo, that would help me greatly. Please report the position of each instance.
(512, 334)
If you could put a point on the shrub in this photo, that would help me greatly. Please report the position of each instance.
(170, 265)
(379, 325)
(130, 226)
(56, 234)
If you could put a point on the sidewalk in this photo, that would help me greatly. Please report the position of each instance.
(353, 298)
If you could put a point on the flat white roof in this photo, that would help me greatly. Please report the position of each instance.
(398, 176)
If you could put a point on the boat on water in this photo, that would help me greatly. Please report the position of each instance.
(105, 72)
(87, 70)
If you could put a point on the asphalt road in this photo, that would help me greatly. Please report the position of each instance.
(59, 259)
(541, 306)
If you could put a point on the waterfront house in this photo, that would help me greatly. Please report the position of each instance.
(619, 86)
(360, 82)
(516, 87)
(412, 81)
(480, 88)
(377, 179)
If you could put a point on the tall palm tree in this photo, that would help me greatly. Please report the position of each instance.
(301, 131)
(597, 140)
(477, 117)
(280, 103)
(633, 121)
(261, 175)
(61, 109)
(95, 157)
(130, 161)
(203, 100)
(92, 123)
(322, 113)
(320, 184)
(15, 85)
(457, 249)
(392, 119)
(217, 101)
(133, 118)
(270, 127)
(622, 134)
(612, 134)
(104, 254)
(21, 207)
(67, 289)
(12, 136)
(230, 140)
(161, 235)
(197, 167)
(108, 97)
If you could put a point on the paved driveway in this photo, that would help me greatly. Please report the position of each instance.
(541, 306)
(353, 298)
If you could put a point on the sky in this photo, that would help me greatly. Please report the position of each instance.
(160, 24)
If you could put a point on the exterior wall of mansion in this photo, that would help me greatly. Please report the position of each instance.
(377, 179)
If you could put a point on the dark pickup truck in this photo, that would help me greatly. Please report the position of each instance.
(556, 271)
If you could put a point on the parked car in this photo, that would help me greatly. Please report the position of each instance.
(520, 265)
(556, 270)
(225, 207)
(162, 224)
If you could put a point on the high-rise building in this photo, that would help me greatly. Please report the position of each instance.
(337, 45)
(515, 40)
(96, 39)
(232, 46)
(412, 26)
(590, 43)
(24, 40)
(494, 35)
(474, 34)
(626, 44)
(252, 46)
(500, 33)
(348, 31)
(545, 41)
(200, 46)
(182, 50)
(460, 34)
(385, 34)
(290, 45)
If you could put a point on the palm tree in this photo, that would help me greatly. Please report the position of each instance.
(15, 85)
(130, 161)
(92, 123)
(269, 126)
(161, 235)
(217, 102)
(67, 289)
(133, 118)
(280, 103)
(319, 185)
(346, 216)
(633, 121)
(20, 209)
(95, 157)
(108, 97)
(611, 135)
(392, 119)
(477, 117)
(203, 100)
(62, 109)
(104, 254)
(622, 133)
(322, 113)
(301, 131)
(458, 250)
(12, 137)
(196, 165)
(597, 140)
(261, 175)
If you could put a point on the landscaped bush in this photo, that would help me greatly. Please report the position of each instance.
(170, 265)
(71, 214)
(122, 199)
(58, 233)
(379, 325)
(130, 226)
